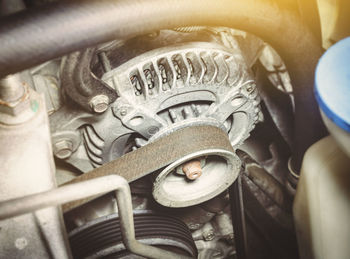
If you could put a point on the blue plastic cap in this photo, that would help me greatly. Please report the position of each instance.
(332, 83)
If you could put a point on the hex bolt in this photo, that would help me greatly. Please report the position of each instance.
(99, 103)
(63, 149)
(193, 226)
(208, 235)
(192, 169)
(15, 100)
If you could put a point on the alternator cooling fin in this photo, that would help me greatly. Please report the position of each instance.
(102, 238)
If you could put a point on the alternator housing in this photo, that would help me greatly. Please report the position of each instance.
(173, 87)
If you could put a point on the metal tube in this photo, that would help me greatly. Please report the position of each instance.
(76, 191)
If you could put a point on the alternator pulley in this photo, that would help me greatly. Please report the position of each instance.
(220, 170)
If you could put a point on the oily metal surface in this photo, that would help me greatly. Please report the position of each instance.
(158, 154)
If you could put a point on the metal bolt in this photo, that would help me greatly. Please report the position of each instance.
(193, 226)
(250, 88)
(63, 149)
(209, 235)
(14, 96)
(21, 243)
(12, 89)
(192, 169)
(152, 130)
(99, 103)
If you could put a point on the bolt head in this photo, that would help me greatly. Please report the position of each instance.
(99, 103)
(17, 106)
(192, 169)
(250, 88)
(152, 130)
(193, 226)
(208, 236)
(63, 149)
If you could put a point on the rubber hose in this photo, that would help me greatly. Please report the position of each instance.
(33, 36)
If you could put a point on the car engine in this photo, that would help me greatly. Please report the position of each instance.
(163, 85)
(154, 129)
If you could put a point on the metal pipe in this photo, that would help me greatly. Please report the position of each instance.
(76, 191)
(24, 133)
(36, 35)
(11, 88)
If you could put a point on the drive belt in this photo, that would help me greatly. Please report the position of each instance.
(157, 155)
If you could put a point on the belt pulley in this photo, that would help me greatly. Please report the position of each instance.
(163, 152)
(102, 237)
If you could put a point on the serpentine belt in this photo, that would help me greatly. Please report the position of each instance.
(157, 155)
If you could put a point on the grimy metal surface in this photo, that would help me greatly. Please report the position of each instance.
(27, 167)
(57, 196)
(158, 154)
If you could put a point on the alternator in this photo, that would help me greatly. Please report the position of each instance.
(164, 90)
(180, 86)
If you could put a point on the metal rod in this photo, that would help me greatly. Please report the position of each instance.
(81, 190)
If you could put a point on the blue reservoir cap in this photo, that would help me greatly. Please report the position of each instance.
(332, 83)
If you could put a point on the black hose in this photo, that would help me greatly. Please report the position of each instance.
(34, 36)
(78, 81)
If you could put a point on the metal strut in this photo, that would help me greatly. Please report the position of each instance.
(76, 191)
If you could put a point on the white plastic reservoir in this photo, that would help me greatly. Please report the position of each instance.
(322, 202)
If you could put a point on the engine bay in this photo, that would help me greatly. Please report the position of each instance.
(182, 140)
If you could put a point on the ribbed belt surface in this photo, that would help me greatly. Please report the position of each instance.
(104, 233)
(157, 155)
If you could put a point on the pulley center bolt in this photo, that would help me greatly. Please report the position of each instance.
(192, 169)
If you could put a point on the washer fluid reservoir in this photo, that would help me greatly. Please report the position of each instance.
(322, 202)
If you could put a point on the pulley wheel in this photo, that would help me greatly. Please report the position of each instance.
(212, 171)
(101, 238)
